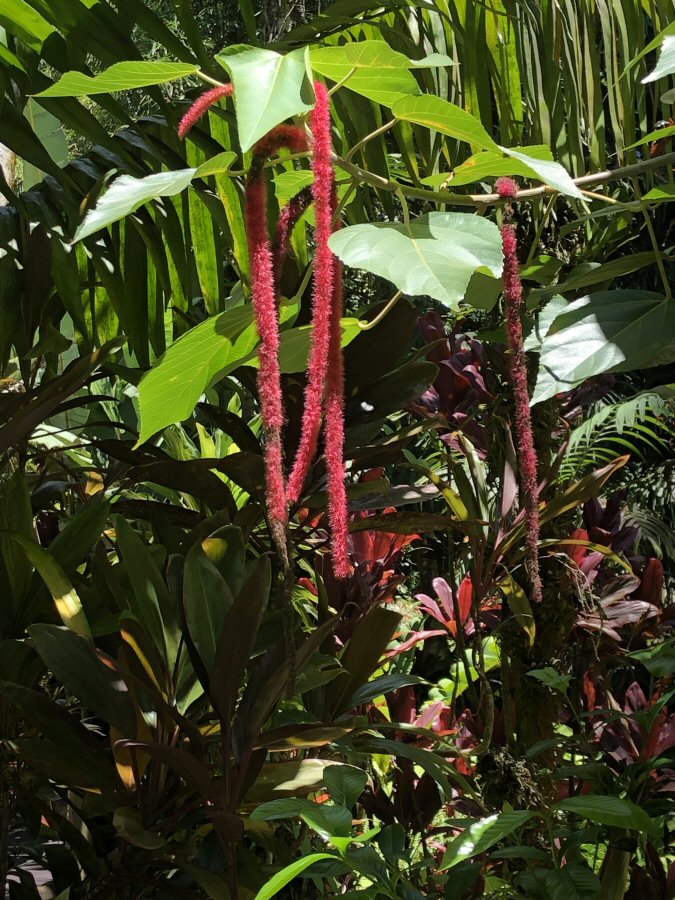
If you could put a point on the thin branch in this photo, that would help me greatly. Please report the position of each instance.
(482, 200)
(371, 137)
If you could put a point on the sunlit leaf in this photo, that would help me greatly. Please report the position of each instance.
(612, 331)
(123, 76)
(435, 255)
(127, 194)
(268, 88)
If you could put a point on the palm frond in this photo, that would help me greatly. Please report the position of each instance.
(637, 425)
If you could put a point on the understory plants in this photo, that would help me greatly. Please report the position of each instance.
(336, 435)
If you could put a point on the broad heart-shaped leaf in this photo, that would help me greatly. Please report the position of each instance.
(382, 84)
(441, 115)
(482, 835)
(609, 810)
(546, 170)
(126, 194)
(268, 89)
(123, 76)
(666, 63)
(434, 255)
(611, 331)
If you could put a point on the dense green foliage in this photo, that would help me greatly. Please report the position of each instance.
(183, 711)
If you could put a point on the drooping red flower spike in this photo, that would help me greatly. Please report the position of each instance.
(263, 291)
(291, 137)
(201, 106)
(513, 296)
(286, 222)
(269, 374)
(338, 512)
(323, 292)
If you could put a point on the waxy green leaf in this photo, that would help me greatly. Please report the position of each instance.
(611, 331)
(123, 76)
(435, 255)
(268, 89)
(126, 194)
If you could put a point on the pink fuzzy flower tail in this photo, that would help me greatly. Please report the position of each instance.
(269, 373)
(201, 106)
(338, 511)
(513, 296)
(322, 298)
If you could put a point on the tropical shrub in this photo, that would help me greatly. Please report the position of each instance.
(328, 369)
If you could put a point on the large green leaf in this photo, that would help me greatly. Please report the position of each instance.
(482, 835)
(269, 88)
(379, 55)
(611, 331)
(123, 76)
(435, 255)
(609, 810)
(384, 83)
(127, 194)
(489, 164)
(441, 115)
(170, 391)
(666, 62)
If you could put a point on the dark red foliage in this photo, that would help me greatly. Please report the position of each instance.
(374, 556)
(459, 386)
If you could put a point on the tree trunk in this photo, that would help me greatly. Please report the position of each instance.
(280, 16)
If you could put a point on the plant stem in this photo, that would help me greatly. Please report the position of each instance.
(383, 312)
(371, 137)
(655, 244)
(483, 200)
(336, 87)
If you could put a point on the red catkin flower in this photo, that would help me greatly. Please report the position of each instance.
(507, 188)
(264, 296)
(323, 292)
(269, 374)
(290, 136)
(513, 296)
(201, 105)
(338, 512)
(286, 222)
